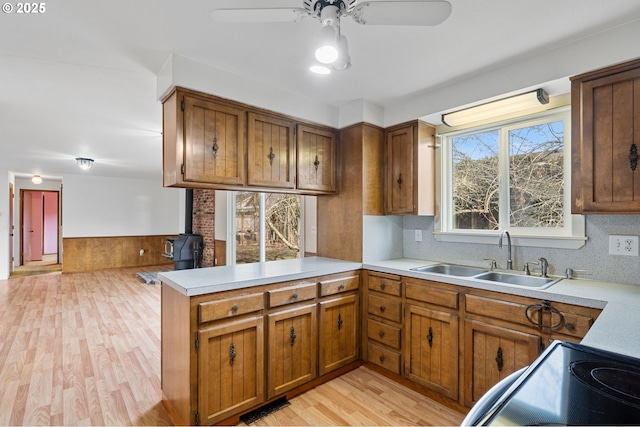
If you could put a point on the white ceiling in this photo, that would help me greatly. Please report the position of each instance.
(80, 78)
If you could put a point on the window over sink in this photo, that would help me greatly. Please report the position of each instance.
(513, 175)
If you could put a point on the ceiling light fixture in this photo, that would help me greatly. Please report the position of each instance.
(84, 163)
(333, 50)
(37, 179)
(496, 108)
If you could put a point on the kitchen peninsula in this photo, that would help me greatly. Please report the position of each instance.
(237, 337)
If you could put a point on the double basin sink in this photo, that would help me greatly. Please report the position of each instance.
(500, 277)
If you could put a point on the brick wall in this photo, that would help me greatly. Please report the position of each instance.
(204, 222)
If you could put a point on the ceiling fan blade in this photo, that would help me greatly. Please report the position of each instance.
(279, 14)
(420, 13)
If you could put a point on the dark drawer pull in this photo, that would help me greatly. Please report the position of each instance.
(295, 295)
(382, 308)
(570, 326)
(382, 286)
(381, 334)
(234, 308)
(381, 358)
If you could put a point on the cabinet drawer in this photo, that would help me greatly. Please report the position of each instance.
(567, 323)
(498, 309)
(341, 284)
(385, 334)
(292, 294)
(423, 291)
(386, 308)
(385, 284)
(229, 307)
(383, 357)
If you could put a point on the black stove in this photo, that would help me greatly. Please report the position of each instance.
(572, 384)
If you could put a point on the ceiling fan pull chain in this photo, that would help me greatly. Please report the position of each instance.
(633, 157)
(215, 147)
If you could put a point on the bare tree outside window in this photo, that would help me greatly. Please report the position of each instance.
(282, 220)
(536, 177)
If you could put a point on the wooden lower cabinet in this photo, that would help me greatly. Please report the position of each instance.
(491, 353)
(293, 344)
(431, 350)
(230, 369)
(339, 344)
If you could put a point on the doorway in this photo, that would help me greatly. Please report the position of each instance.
(39, 233)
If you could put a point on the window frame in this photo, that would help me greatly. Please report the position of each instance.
(571, 236)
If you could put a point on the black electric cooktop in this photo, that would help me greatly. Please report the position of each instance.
(572, 384)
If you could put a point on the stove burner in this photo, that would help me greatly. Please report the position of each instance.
(617, 381)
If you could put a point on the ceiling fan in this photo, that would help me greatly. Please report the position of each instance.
(332, 52)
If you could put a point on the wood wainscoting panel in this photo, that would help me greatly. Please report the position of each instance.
(101, 253)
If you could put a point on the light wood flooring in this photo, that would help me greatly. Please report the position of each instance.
(84, 349)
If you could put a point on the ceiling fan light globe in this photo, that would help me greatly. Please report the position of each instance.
(326, 54)
(320, 69)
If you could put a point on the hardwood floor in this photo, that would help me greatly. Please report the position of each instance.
(84, 348)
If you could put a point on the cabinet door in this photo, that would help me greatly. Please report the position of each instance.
(230, 369)
(316, 159)
(610, 132)
(400, 171)
(338, 333)
(271, 151)
(214, 142)
(431, 352)
(491, 353)
(292, 349)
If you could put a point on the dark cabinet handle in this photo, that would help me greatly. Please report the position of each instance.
(215, 147)
(382, 286)
(232, 354)
(339, 321)
(540, 308)
(293, 336)
(295, 295)
(381, 334)
(570, 326)
(234, 308)
(271, 156)
(399, 181)
(499, 360)
(341, 287)
(382, 308)
(430, 337)
(381, 358)
(316, 163)
(633, 157)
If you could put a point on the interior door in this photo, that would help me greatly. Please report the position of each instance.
(11, 227)
(37, 225)
(26, 227)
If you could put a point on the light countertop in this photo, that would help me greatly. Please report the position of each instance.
(202, 281)
(617, 328)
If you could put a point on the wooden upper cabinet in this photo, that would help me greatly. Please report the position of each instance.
(204, 142)
(316, 159)
(271, 151)
(605, 140)
(410, 177)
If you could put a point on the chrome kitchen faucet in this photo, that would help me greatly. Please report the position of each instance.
(509, 261)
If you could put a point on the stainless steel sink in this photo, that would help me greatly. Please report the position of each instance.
(450, 269)
(517, 279)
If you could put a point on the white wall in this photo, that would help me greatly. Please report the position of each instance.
(98, 206)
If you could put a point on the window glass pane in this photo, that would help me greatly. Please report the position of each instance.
(283, 226)
(247, 227)
(475, 181)
(536, 175)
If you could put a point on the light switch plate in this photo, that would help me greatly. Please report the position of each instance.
(418, 235)
(623, 245)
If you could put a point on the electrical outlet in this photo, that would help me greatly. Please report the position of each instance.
(623, 245)
(418, 235)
